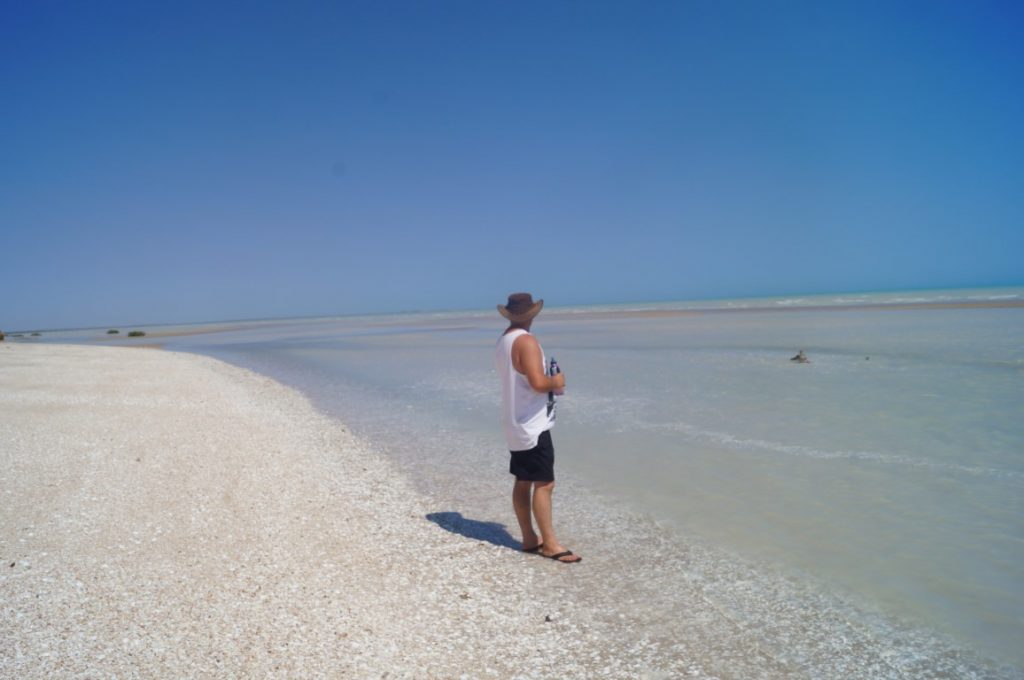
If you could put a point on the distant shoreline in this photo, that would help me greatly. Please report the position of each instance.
(597, 311)
(895, 306)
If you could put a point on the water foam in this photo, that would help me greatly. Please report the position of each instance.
(738, 443)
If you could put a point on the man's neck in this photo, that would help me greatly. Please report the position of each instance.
(517, 327)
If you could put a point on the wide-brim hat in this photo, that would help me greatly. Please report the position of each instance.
(520, 307)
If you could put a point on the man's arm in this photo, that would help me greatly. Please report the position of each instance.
(526, 358)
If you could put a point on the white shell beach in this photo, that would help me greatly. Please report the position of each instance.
(169, 515)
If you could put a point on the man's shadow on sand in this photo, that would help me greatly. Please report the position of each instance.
(489, 532)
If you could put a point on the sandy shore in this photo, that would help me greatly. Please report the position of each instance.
(166, 515)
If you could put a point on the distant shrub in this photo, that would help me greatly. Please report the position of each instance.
(136, 334)
(113, 331)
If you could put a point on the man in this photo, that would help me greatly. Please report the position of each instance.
(527, 421)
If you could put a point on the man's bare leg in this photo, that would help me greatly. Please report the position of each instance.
(542, 512)
(521, 503)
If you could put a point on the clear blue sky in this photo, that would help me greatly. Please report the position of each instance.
(165, 162)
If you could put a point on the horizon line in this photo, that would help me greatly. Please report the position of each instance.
(567, 306)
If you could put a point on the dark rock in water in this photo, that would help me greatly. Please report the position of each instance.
(36, 335)
(113, 331)
(136, 334)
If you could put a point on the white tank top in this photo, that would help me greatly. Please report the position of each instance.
(524, 411)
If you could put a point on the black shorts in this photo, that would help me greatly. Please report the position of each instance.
(536, 464)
